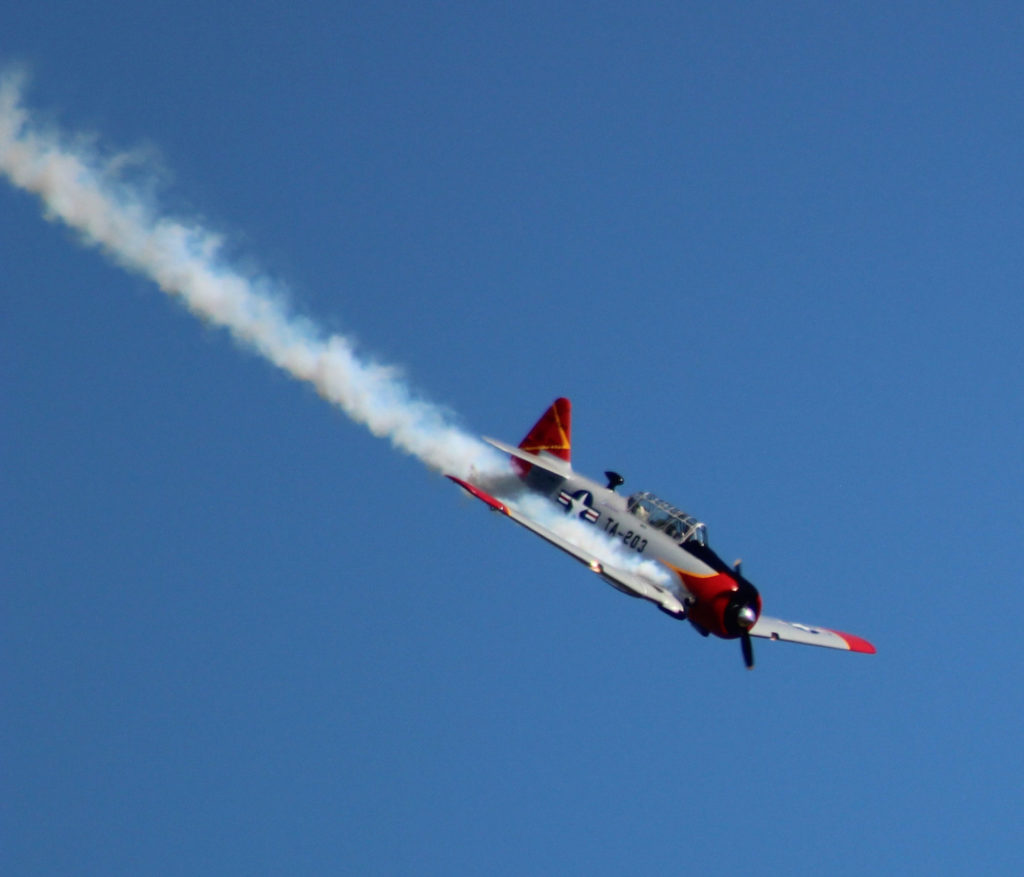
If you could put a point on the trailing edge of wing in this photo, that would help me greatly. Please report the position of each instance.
(790, 632)
(544, 460)
(618, 578)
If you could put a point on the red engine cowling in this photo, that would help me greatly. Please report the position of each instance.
(726, 604)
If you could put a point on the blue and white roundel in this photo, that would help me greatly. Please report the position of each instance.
(579, 504)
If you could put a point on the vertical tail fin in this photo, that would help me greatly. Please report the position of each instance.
(552, 433)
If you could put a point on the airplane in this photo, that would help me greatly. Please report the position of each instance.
(687, 580)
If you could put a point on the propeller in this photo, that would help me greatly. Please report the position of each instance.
(744, 613)
(748, 650)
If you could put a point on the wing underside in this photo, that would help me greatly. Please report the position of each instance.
(808, 635)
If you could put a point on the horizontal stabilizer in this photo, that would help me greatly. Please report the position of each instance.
(544, 460)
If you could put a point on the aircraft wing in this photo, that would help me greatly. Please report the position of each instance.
(791, 632)
(623, 580)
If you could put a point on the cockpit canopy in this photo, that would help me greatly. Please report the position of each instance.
(673, 522)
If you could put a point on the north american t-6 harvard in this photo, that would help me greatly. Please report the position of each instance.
(662, 553)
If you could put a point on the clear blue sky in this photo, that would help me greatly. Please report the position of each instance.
(772, 253)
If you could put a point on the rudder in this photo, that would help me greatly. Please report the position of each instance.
(552, 433)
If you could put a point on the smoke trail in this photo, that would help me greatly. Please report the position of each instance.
(83, 190)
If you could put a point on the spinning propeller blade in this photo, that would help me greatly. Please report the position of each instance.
(750, 594)
(748, 650)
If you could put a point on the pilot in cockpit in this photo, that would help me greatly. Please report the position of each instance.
(675, 530)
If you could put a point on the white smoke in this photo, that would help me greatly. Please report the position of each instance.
(605, 548)
(83, 189)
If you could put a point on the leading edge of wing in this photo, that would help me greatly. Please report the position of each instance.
(808, 635)
(618, 578)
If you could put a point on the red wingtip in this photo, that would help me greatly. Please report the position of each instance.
(857, 644)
